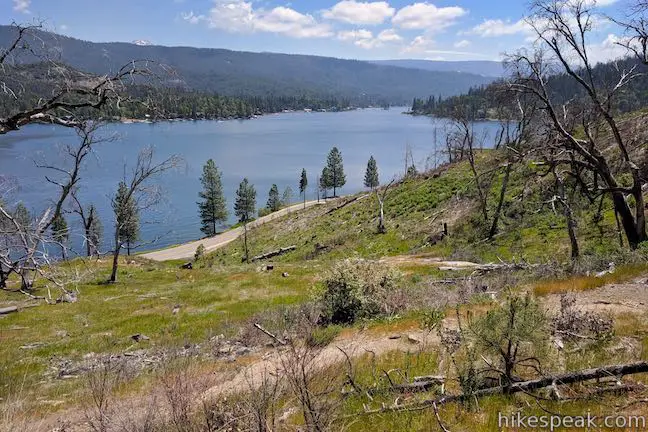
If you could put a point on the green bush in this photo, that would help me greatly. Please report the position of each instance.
(355, 289)
(264, 211)
(322, 336)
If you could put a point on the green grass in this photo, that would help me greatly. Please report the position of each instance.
(212, 301)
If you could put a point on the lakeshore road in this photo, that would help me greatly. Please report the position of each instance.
(187, 250)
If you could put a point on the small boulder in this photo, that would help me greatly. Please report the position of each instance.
(269, 267)
(284, 274)
(138, 337)
(413, 339)
(187, 266)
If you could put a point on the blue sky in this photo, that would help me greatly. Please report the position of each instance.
(439, 29)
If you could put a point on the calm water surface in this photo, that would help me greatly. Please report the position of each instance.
(267, 150)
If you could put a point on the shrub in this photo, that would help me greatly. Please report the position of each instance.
(200, 252)
(356, 289)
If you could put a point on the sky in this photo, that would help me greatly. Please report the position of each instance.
(365, 30)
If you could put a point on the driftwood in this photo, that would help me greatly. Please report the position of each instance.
(258, 326)
(275, 253)
(524, 386)
(8, 310)
(345, 203)
(420, 384)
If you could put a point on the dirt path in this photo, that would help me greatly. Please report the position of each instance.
(187, 250)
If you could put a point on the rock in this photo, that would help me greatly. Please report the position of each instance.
(33, 345)
(269, 267)
(285, 274)
(140, 337)
(176, 309)
(70, 297)
(413, 339)
(392, 337)
(243, 350)
(187, 266)
(61, 333)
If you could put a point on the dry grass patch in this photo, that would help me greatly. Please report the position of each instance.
(586, 283)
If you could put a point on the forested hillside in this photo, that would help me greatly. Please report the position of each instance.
(248, 74)
(481, 101)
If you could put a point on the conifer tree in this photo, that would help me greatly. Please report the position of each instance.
(93, 231)
(371, 175)
(274, 202)
(303, 184)
(244, 208)
(212, 207)
(286, 197)
(336, 178)
(22, 216)
(126, 216)
(324, 181)
(60, 233)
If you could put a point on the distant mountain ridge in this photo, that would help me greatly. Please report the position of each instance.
(485, 68)
(236, 73)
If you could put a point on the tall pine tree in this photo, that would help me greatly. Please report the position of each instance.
(93, 231)
(371, 175)
(324, 181)
(336, 178)
(212, 207)
(303, 184)
(244, 208)
(274, 202)
(126, 216)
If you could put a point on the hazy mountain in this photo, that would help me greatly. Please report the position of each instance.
(258, 74)
(477, 67)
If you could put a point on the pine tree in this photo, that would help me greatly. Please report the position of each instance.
(22, 216)
(60, 233)
(287, 196)
(93, 231)
(126, 216)
(371, 175)
(336, 177)
(303, 184)
(324, 181)
(213, 207)
(244, 208)
(274, 202)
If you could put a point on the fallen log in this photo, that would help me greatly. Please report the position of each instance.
(524, 386)
(8, 310)
(275, 253)
(258, 326)
(419, 385)
(346, 203)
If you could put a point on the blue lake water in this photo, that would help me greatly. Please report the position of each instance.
(270, 149)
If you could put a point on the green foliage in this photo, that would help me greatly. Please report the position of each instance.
(287, 196)
(245, 203)
(274, 202)
(94, 230)
(371, 175)
(322, 336)
(126, 215)
(303, 183)
(200, 252)
(334, 176)
(432, 319)
(264, 211)
(21, 215)
(325, 180)
(59, 229)
(357, 289)
(213, 207)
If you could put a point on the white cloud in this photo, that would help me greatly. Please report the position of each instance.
(389, 35)
(426, 16)
(462, 43)
(63, 27)
(354, 12)
(352, 35)
(609, 49)
(498, 27)
(22, 6)
(239, 16)
(420, 44)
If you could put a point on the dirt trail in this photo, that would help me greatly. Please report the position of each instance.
(187, 250)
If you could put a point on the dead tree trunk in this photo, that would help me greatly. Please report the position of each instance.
(500, 203)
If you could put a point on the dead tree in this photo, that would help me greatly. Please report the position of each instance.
(73, 90)
(143, 195)
(23, 251)
(381, 195)
(562, 29)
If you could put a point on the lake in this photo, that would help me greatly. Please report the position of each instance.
(269, 149)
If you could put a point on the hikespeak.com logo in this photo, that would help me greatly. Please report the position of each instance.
(588, 421)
